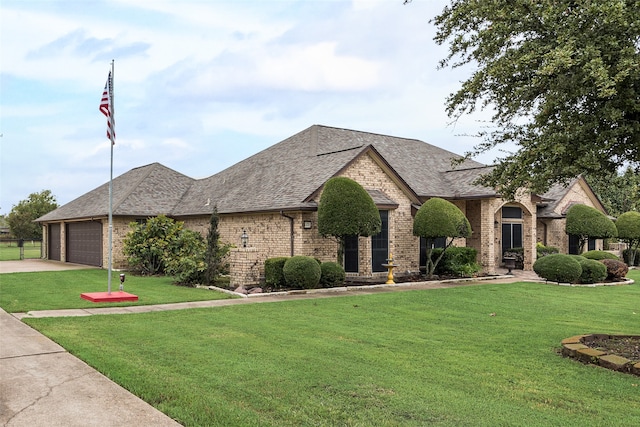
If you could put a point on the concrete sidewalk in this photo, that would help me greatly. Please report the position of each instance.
(41, 384)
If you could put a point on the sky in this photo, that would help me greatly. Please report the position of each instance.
(202, 84)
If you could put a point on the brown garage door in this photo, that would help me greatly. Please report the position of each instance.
(84, 243)
(54, 242)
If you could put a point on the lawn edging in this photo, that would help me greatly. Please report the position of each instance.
(575, 347)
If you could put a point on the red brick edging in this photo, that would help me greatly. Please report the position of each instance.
(575, 348)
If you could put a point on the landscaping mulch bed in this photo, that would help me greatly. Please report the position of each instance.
(627, 347)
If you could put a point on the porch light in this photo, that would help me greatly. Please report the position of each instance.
(306, 225)
(244, 238)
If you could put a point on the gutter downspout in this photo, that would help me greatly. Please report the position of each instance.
(290, 228)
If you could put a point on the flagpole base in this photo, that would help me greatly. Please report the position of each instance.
(108, 297)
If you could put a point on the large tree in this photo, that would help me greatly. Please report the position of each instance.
(439, 218)
(562, 78)
(22, 215)
(346, 209)
(618, 192)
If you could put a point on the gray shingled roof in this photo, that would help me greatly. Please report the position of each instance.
(145, 191)
(281, 177)
(552, 197)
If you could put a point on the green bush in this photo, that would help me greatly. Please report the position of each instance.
(615, 269)
(302, 271)
(558, 268)
(184, 259)
(543, 250)
(626, 256)
(459, 261)
(273, 274)
(599, 255)
(331, 275)
(592, 271)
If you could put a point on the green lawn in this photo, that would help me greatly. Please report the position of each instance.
(412, 358)
(11, 252)
(22, 292)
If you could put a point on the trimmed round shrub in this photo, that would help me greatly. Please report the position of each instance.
(615, 269)
(273, 275)
(598, 255)
(331, 274)
(302, 272)
(592, 271)
(558, 268)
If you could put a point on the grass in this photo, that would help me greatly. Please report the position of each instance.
(23, 292)
(11, 252)
(410, 358)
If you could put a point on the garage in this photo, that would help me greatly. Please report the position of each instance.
(84, 242)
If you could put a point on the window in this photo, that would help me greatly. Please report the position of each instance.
(351, 254)
(511, 212)
(380, 244)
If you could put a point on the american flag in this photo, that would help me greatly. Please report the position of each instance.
(105, 108)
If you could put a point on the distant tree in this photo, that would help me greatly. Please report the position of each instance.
(439, 218)
(346, 209)
(22, 215)
(561, 77)
(628, 225)
(216, 251)
(586, 222)
(618, 192)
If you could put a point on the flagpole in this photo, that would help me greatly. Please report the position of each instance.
(111, 135)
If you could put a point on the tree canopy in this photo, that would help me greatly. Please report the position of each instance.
(618, 192)
(22, 215)
(586, 222)
(562, 78)
(438, 218)
(346, 209)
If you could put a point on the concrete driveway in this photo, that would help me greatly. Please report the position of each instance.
(27, 265)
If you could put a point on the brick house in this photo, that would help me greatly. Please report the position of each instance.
(273, 197)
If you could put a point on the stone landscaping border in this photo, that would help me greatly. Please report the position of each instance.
(575, 348)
